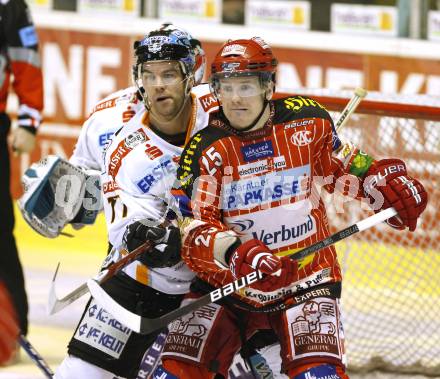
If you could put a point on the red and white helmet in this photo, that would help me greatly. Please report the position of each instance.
(245, 57)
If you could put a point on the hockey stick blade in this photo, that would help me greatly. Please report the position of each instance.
(145, 325)
(54, 304)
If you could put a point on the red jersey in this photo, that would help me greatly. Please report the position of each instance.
(258, 185)
(19, 57)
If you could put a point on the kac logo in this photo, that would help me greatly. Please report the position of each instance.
(302, 138)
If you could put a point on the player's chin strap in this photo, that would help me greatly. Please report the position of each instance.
(145, 325)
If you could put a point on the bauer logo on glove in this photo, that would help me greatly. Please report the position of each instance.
(387, 183)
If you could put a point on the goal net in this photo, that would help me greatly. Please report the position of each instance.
(391, 285)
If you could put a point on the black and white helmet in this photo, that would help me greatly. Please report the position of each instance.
(200, 56)
(169, 43)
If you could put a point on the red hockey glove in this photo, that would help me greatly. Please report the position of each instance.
(255, 255)
(407, 195)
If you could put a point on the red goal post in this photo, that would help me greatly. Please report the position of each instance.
(391, 288)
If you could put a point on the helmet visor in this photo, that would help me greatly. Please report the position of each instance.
(161, 73)
(242, 85)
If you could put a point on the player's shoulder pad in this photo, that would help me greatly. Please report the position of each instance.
(210, 134)
(189, 160)
(122, 96)
(205, 97)
(200, 141)
(297, 107)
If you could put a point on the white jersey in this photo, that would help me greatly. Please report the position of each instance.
(140, 169)
(105, 119)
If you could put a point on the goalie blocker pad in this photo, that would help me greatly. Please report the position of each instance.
(54, 194)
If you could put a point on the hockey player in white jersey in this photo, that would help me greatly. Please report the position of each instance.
(40, 181)
(140, 165)
(39, 205)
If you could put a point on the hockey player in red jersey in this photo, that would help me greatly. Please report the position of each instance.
(20, 71)
(246, 194)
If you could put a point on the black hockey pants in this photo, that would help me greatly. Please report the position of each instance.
(11, 271)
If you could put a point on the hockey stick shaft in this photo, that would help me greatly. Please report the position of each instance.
(359, 94)
(226, 290)
(35, 356)
(55, 304)
(124, 261)
(144, 325)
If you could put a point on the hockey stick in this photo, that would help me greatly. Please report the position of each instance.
(359, 94)
(145, 325)
(55, 304)
(35, 356)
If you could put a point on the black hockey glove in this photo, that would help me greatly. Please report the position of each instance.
(166, 240)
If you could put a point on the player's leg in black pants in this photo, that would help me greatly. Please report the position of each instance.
(11, 271)
(102, 341)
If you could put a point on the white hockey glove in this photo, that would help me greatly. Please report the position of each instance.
(55, 193)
